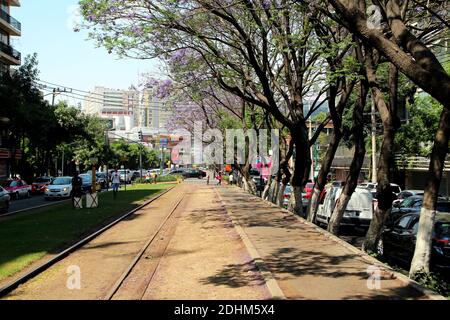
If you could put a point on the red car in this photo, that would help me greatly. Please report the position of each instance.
(17, 188)
(39, 185)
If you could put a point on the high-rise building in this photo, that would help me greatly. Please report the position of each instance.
(121, 106)
(154, 113)
(9, 27)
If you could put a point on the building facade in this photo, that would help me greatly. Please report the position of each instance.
(154, 113)
(120, 106)
(9, 27)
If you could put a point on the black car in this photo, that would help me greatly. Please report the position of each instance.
(408, 205)
(398, 241)
(194, 173)
(413, 205)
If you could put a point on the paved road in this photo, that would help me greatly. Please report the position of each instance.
(33, 201)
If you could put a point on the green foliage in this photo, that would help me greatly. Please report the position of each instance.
(433, 281)
(416, 136)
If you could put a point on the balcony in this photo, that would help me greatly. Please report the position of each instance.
(8, 55)
(9, 24)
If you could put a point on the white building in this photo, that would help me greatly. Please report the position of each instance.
(121, 106)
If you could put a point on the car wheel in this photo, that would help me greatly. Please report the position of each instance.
(380, 247)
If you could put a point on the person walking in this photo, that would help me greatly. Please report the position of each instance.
(76, 189)
(115, 179)
(219, 179)
(231, 178)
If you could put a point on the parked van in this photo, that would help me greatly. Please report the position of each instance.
(359, 210)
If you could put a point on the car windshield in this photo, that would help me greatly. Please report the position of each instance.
(61, 181)
(395, 189)
(408, 202)
(42, 180)
(123, 171)
(85, 177)
(7, 183)
(442, 230)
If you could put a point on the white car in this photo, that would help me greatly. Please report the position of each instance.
(125, 175)
(4, 200)
(359, 211)
(60, 188)
(373, 186)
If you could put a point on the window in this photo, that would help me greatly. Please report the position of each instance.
(417, 204)
(415, 226)
(404, 222)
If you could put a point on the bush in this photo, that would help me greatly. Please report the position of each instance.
(433, 281)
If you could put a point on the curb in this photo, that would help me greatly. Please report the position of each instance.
(394, 274)
(270, 281)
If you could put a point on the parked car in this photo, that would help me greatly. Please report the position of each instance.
(413, 205)
(17, 189)
(38, 186)
(4, 200)
(287, 195)
(359, 210)
(398, 241)
(102, 179)
(194, 173)
(394, 187)
(406, 194)
(59, 188)
(87, 183)
(125, 175)
(178, 171)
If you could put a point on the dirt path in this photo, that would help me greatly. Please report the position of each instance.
(201, 257)
(306, 263)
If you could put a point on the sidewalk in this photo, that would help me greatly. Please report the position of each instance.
(305, 261)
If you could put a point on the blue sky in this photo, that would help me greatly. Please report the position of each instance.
(67, 57)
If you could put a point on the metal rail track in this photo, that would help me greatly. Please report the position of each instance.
(39, 269)
(115, 288)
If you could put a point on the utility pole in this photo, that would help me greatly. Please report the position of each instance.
(57, 91)
(62, 164)
(374, 143)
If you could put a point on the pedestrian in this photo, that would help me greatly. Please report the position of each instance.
(115, 179)
(207, 179)
(231, 178)
(219, 179)
(155, 178)
(76, 189)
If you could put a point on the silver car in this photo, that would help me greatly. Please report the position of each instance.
(4, 200)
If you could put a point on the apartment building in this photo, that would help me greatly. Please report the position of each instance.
(9, 27)
(154, 113)
(120, 106)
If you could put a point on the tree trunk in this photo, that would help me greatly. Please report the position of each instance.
(323, 174)
(302, 164)
(422, 253)
(388, 116)
(357, 162)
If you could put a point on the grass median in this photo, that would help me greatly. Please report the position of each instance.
(28, 237)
